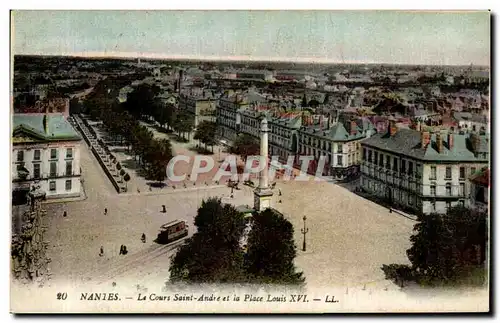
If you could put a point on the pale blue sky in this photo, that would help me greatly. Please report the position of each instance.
(349, 36)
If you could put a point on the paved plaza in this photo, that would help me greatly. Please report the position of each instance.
(349, 237)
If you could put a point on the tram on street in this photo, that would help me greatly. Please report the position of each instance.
(172, 231)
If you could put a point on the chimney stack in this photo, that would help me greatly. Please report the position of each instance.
(353, 128)
(475, 141)
(450, 141)
(439, 142)
(45, 124)
(392, 128)
(425, 138)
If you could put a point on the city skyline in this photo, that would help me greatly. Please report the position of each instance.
(350, 37)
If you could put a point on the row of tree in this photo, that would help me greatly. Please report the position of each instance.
(151, 154)
(214, 253)
(144, 103)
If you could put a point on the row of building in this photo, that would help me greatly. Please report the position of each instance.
(413, 169)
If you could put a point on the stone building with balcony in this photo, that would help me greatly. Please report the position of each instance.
(419, 171)
(45, 152)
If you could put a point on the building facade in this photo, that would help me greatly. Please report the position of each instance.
(339, 142)
(45, 152)
(419, 171)
(203, 109)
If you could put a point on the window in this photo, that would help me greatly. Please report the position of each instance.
(410, 168)
(462, 189)
(388, 162)
(53, 154)
(36, 155)
(53, 169)
(448, 189)
(448, 172)
(369, 155)
(448, 205)
(36, 170)
(52, 185)
(472, 170)
(433, 173)
(339, 148)
(462, 203)
(433, 206)
(375, 160)
(20, 155)
(462, 172)
(433, 189)
(381, 160)
(69, 153)
(403, 166)
(339, 160)
(68, 185)
(69, 167)
(395, 164)
(364, 153)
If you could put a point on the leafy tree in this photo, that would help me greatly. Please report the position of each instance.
(313, 103)
(445, 247)
(157, 155)
(271, 249)
(304, 101)
(205, 133)
(245, 145)
(212, 255)
(183, 123)
(141, 101)
(126, 178)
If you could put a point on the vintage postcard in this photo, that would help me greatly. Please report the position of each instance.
(250, 161)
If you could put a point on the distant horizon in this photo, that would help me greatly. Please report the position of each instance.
(228, 59)
(312, 36)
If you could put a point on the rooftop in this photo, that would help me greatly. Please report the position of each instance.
(408, 142)
(58, 128)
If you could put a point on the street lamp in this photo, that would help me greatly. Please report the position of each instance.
(304, 232)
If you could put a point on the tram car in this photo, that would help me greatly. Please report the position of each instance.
(172, 231)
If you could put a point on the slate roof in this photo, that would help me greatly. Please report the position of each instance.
(58, 128)
(407, 142)
(293, 123)
(339, 131)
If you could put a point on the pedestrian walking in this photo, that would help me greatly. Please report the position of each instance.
(64, 214)
(101, 252)
(138, 190)
(105, 211)
(279, 191)
(143, 238)
(125, 251)
(121, 250)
